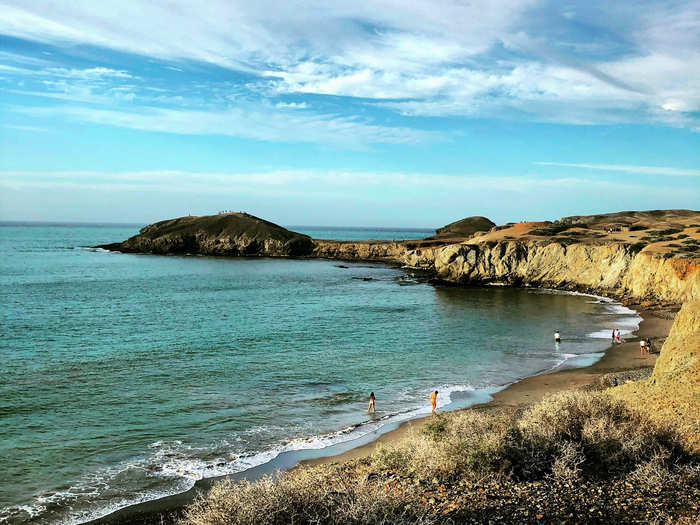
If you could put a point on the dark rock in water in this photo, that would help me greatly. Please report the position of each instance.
(341, 266)
(465, 227)
(238, 234)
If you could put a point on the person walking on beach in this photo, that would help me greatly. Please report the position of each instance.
(433, 400)
(557, 337)
(642, 346)
(613, 336)
(371, 408)
(617, 336)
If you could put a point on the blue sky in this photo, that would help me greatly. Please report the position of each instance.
(379, 114)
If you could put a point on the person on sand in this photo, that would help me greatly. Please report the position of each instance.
(642, 346)
(433, 400)
(613, 335)
(371, 408)
(557, 337)
(618, 340)
(648, 346)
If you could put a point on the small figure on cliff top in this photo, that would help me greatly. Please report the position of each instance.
(433, 400)
(371, 408)
(557, 337)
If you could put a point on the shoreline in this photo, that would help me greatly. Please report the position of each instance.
(620, 358)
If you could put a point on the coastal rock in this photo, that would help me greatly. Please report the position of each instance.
(649, 255)
(238, 234)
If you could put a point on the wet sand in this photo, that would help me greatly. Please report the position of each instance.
(618, 358)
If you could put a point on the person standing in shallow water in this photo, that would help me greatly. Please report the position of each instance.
(557, 337)
(371, 408)
(433, 400)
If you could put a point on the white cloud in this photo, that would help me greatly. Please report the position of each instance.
(497, 57)
(292, 105)
(292, 181)
(647, 170)
(320, 197)
(260, 123)
(93, 73)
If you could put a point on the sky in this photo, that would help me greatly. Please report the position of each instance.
(383, 113)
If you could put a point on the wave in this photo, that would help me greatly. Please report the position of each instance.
(176, 466)
(89, 249)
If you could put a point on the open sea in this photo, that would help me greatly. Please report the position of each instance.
(124, 378)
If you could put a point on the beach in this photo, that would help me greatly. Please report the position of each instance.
(620, 360)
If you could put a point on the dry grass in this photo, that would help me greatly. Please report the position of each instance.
(567, 435)
(309, 496)
(587, 436)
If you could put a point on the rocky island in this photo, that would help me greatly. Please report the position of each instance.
(233, 234)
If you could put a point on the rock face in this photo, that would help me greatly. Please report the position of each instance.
(465, 227)
(374, 251)
(222, 234)
(604, 268)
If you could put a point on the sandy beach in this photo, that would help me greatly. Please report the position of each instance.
(618, 358)
(622, 360)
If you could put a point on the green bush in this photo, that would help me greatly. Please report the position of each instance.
(637, 247)
(436, 427)
(556, 227)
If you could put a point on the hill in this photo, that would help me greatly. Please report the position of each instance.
(221, 234)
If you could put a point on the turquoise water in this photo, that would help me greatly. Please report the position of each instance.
(128, 377)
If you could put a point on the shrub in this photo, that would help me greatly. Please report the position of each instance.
(638, 227)
(436, 427)
(556, 227)
(612, 438)
(637, 247)
(571, 437)
(670, 231)
(305, 496)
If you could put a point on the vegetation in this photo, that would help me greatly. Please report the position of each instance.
(548, 452)
(556, 227)
(637, 247)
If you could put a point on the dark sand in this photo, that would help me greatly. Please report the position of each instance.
(618, 358)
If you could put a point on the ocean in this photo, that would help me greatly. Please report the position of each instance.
(128, 377)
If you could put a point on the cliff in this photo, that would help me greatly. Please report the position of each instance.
(652, 255)
(672, 394)
(612, 268)
(223, 234)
